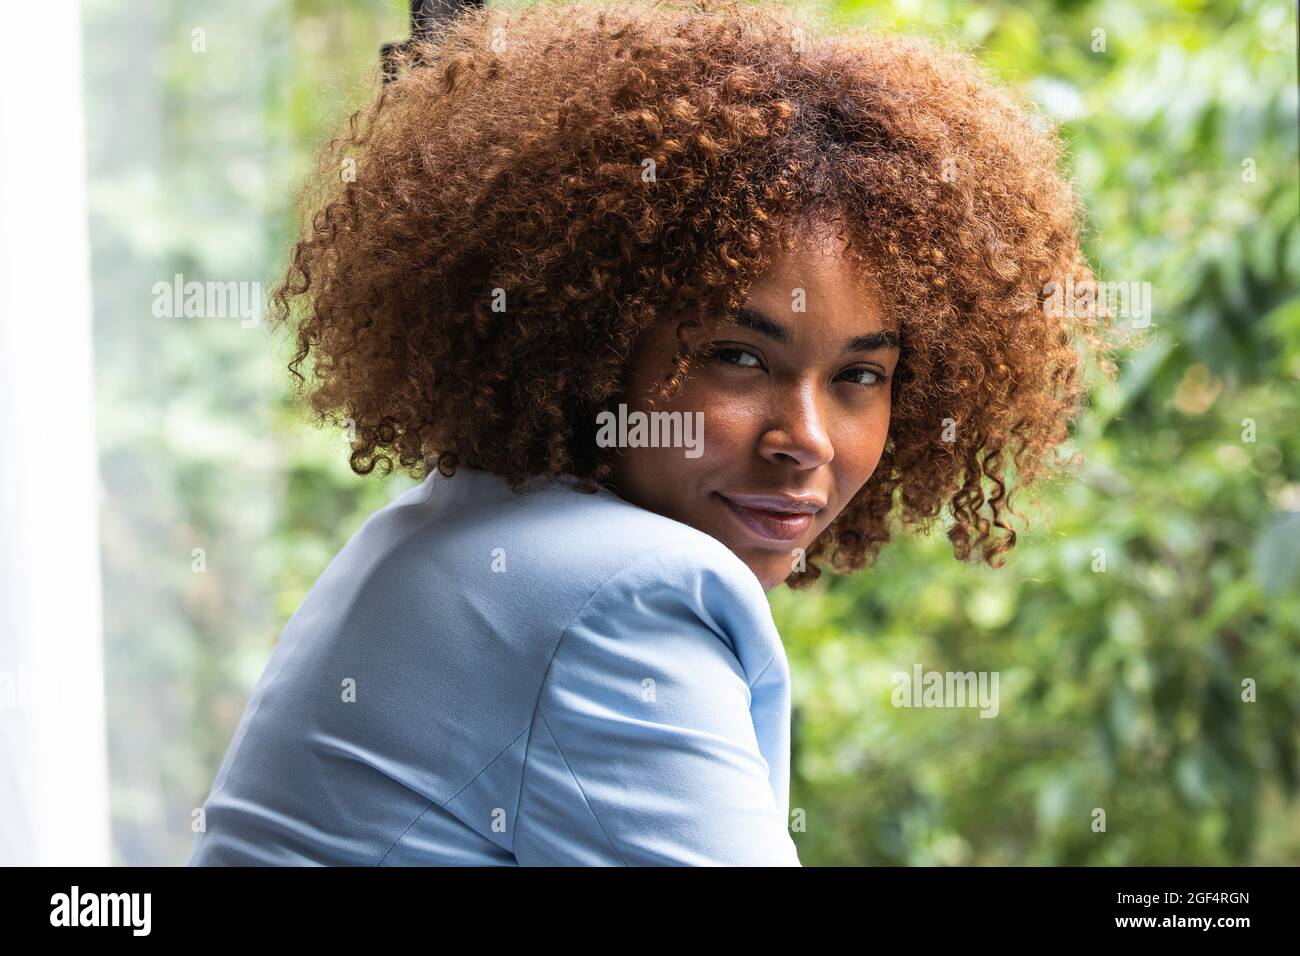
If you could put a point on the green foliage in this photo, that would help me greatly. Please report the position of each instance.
(1121, 688)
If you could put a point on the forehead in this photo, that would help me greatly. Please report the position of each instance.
(818, 279)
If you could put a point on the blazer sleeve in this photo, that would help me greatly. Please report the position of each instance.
(642, 749)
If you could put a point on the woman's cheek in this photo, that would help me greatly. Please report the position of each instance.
(875, 432)
(729, 427)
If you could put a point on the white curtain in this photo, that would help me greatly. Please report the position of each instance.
(53, 760)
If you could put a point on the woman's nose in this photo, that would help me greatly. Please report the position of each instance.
(798, 432)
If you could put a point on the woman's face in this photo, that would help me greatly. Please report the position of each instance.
(795, 396)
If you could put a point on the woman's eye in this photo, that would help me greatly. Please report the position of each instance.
(873, 377)
(734, 356)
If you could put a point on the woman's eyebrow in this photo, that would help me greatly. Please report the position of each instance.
(756, 321)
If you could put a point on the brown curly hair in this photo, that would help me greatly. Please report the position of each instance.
(600, 168)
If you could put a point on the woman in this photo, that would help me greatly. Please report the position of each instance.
(682, 303)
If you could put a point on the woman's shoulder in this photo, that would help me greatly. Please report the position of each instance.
(625, 575)
(551, 542)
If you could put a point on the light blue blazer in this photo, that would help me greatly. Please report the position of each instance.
(480, 678)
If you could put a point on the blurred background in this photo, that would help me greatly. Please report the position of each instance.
(1146, 628)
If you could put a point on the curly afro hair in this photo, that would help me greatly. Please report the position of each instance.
(488, 237)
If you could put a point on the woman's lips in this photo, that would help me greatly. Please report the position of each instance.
(771, 525)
